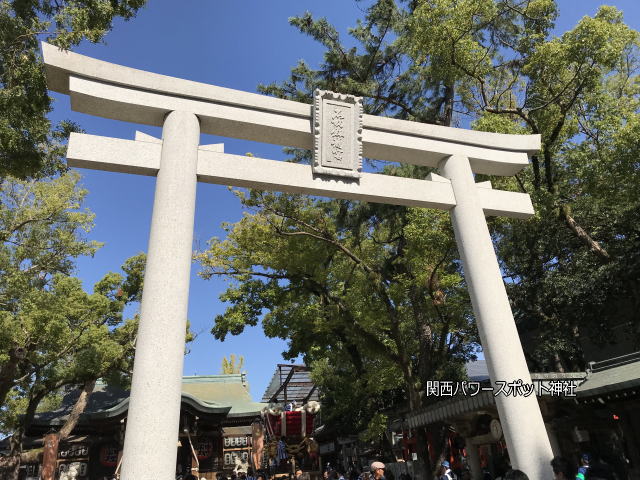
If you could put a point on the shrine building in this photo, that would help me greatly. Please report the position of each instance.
(216, 412)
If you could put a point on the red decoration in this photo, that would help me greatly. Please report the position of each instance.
(294, 424)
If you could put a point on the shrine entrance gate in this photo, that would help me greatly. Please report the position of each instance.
(339, 134)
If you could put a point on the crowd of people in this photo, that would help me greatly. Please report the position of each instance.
(561, 468)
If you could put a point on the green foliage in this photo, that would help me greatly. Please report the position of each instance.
(355, 287)
(377, 69)
(369, 295)
(53, 333)
(28, 142)
(376, 428)
(232, 365)
(574, 267)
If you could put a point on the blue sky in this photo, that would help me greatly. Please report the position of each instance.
(231, 43)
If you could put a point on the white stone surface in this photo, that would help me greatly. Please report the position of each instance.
(496, 203)
(337, 134)
(252, 172)
(114, 154)
(416, 150)
(61, 64)
(521, 419)
(144, 97)
(212, 147)
(143, 157)
(145, 137)
(154, 404)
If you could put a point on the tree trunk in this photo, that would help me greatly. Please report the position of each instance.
(50, 456)
(447, 114)
(8, 465)
(558, 363)
(15, 442)
(53, 441)
(582, 235)
(439, 431)
(31, 456)
(422, 450)
(422, 446)
(439, 437)
(77, 410)
(9, 370)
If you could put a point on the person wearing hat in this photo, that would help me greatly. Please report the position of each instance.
(377, 470)
(445, 471)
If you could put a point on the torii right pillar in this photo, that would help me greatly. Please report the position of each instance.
(521, 419)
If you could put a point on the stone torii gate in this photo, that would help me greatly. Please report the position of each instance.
(335, 128)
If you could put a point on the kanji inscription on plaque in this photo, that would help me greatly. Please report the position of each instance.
(337, 134)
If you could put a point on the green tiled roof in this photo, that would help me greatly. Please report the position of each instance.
(229, 390)
(226, 395)
(614, 375)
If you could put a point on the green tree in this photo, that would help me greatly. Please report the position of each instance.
(375, 286)
(28, 141)
(232, 365)
(370, 295)
(52, 333)
(574, 267)
(497, 65)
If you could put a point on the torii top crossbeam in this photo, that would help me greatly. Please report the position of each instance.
(121, 93)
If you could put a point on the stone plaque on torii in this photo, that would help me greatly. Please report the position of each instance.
(339, 134)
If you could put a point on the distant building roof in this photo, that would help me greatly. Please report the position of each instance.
(229, 390)
(289, 383)
(223, 395)
(477, 371)
(612, 375)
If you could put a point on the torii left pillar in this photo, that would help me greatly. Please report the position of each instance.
(154, 403)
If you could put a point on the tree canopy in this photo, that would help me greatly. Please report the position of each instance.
(53, 334)
(373, 296)
(232, 364)
(574, 267)
(29, 144)
(373, 304)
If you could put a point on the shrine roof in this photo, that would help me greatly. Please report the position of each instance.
(611, 377)
(220, 395)
(230, 390)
